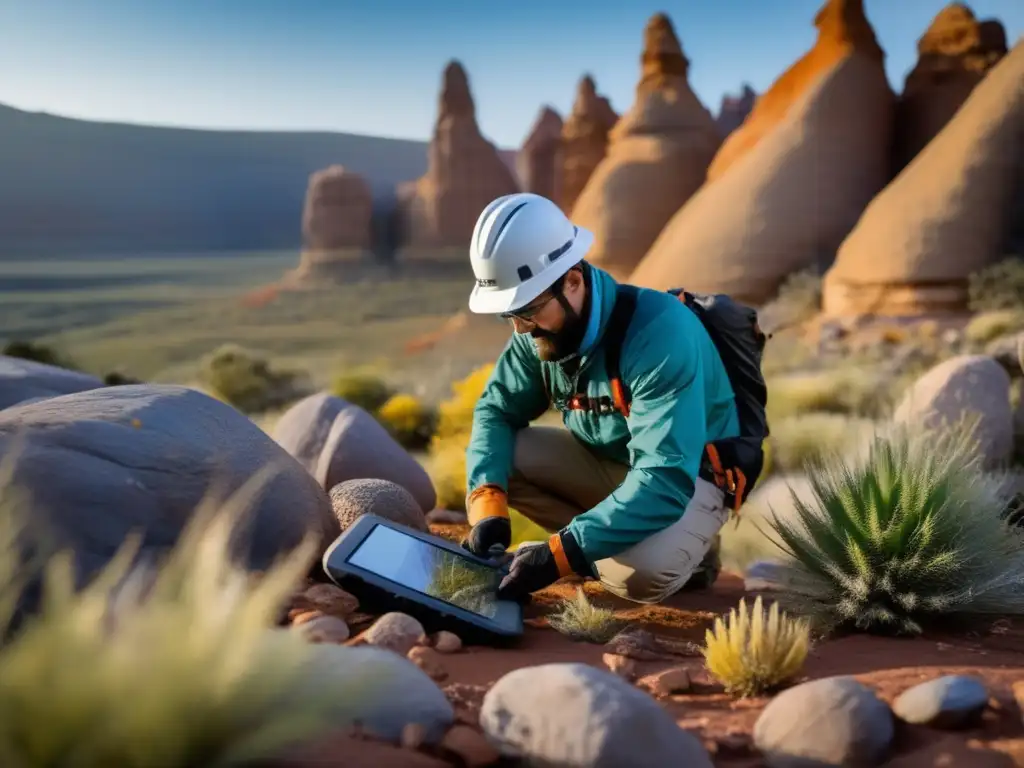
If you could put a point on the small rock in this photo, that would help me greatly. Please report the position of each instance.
(448, 516)
(951, 701)
(429, 661)
(395, 631)
(372, 496)
(832, 721)
(470, 746)
(623, 666)
(571, 714)
(301, 617)
(413, 736)
(638, 644)
(386, 692)
(762, 576)
(667, 682)
(323, 629)
(331, 599)
(447, 642)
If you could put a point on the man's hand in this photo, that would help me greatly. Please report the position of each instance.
(538, 566)
(487, 508)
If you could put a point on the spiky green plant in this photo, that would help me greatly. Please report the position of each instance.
(903, 534)
(751, 653)
(174, 665)
(580, 619)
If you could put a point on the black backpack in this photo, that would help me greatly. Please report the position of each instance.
(733, 464)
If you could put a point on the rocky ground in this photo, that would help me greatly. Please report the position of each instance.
(975, 721)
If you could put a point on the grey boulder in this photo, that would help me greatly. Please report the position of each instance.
(578, 716)
(951, 701)
(336, 441)
(834, 721)
(101, 464)
(22, 380)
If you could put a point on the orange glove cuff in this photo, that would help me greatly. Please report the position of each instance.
(487, 501)
(561, 559)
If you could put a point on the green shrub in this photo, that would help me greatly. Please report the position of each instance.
(408, 420)
(906, 533)
(986, 326)
(757, 651)
(364, 389)
(999, 286)
(248, 382)
(178, 669)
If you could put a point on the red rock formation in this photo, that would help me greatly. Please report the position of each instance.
(793, 179)
(335, 220)
(539, 159)
(658, 155)
(954, 54)
(948, 214)
(584, 140)
(734, 110)
(464, 173)
(842, 29)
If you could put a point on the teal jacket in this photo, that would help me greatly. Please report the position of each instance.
(681, 399)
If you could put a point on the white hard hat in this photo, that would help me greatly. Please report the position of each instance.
(521, 244)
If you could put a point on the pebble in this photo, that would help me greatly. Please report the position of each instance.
(447, 642)
(323, 629)
(330, 599)
(429, 661)
(833, 721)
(667, 682)
(951, 701)
(580, 716)
(413, 736)
(397, 632)
(623, 666)
(470, 746)
(638, 644)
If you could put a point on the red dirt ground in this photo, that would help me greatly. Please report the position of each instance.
(724, 724)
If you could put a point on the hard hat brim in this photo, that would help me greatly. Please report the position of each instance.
(494, 301)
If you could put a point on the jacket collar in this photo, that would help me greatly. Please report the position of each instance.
(603, 289)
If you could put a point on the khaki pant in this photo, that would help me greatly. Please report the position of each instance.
(555, 478)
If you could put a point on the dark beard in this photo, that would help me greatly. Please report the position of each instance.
(560, 344)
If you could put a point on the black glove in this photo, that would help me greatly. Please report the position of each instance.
(540, 565)
(490, 533)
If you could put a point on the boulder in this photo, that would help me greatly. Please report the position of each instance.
(335, 221)
(464, 173)
(370, 496)
(577, 715)
(584, 141)
(950, 701)
(539, 159)
(966, 386)
(734, 110)
(23, 380)
(947, 214)
(100, 464)
(832, 721)
(337, 441)
(954, 54)
(658, 154)
(788, 185)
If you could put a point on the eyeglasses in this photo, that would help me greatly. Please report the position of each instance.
(528, 312)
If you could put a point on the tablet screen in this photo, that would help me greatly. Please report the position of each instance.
(434, 571)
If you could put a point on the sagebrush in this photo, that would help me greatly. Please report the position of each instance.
(579, 619)
(757, 651)
(904, 534)
(175, 664)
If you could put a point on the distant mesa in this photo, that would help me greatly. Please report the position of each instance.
(584, 140)
(335, 221)
(540, 157)
(658, 155)
(464, 172)
(948, 214)
(954, 54)
(790, 183)
(734, 110)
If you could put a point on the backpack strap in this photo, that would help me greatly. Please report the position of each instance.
(614, 336)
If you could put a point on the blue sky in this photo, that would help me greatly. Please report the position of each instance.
(374, 67)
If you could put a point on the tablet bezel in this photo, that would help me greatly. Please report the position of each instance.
(336, 566)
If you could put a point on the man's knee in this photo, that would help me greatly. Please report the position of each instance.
(643, 586)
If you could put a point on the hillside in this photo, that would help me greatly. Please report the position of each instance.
(71, 186)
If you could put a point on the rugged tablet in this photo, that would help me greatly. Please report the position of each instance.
(391, 567)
